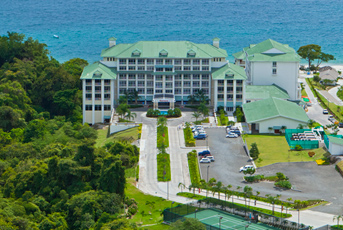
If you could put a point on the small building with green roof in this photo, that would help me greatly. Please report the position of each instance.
(273, 114)
(335, 144)
(260, 92)
(270, 62)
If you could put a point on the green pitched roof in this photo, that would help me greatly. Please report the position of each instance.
(176, 49)
(98, 71)
(270, 50)
(265, 91)
(239, 55)
(229, 71)
(271, 108)
(335, 140)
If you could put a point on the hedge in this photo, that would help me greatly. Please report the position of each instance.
(163, 164)
(193, 166)
(162, 136)
(255, 178)
(189, 138)
(283, 184)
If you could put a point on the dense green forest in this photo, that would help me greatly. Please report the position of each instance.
(51, 175)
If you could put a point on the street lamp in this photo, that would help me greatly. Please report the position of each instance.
(195, 213)
(298, 217)
(220, 224)
(207, 172)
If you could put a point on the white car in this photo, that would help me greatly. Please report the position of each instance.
(231, 135)
(205, 160)
(244, 168)
(325, 111)
(210, 157)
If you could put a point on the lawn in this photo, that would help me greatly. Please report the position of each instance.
(275, 149)
(149, 207)
(129, 135)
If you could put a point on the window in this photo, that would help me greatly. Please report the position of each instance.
(239, 81)
(122, 61)
(177, 67)
(229, 97)
(107, 96)
(159, 69)
(220, 97)
(169, 85)
(88, 82)
(274, 64)
(205, 77)
(204, 84)
(178, 90)
(122, 76)
(141, 76)
(141, 91)
(220, 81)
(97, 88)
(274, 71)
(158, 78)
(97, 82)
(196, 83)
(178, 84)
(150, 68)
(186, 91)
(205, 91)
(168, 61)
(196, 76)
(177, 62)
(169, 91)
(186, 68)
(122, 67)
(220, 89)
(107, 107)
(186, 61)
(132, 83)
(205, 68)
(141, 67)
(158, 91)
(195, 91)
(122, 91)
(150, 83)
(141, 61)
(186, 84)
(149, 77)
(196, 68)
(205, 62)
(97, 107)
(89, 107)
(132, 76)
(196, 62)
(150, 61)
(229, 109)
(150, 91)
(141, 83)
(88, 88)
(107, 88)
(239, 89)
(88, 96)
(230, 82)
(158, 85)
(97, 96)
(132, 61)
(159, 61)
(122, 83)
(107, 82)
(169, 78)
(131, 90)
(132, 67)
(168, 69)
(186, 77)
(178, 77)
(229, 89)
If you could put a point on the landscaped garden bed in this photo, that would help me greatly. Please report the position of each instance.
(193, 166)
(170, 113)
(189, 138)
(163, 167)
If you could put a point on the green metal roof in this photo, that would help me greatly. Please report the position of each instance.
(152, 49)
(112, 39)
(273, 107)
(229, 71)
(258, 92)
(239, 55)
(98, 71)
(270, 50)
(335, 140)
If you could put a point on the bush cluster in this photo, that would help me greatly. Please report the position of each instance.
(255, 178)
(163, 167)
(171, 113)
(193, 167)
(311, 154)
(189, 138)
(283, 184)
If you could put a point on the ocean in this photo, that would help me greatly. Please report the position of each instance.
(84, 26)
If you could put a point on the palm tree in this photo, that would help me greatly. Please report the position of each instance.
(218, 188)
(130, 115)
(191, 98)
(311, 124)
(288, 204)
(257, 194)
(300, 126)
(127, 96)
(339, 217)
(162, 121)
(135, 95)
(200, 96)
(203, 109)
(247, 193)
(182, 186)
(196, 115)
(283, 128)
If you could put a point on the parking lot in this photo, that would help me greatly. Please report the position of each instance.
(229, 156)
(309, 180)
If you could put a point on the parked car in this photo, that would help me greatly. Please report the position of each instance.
(309, 104)
(234, 128)
(204, 153)
(210, 157)
(330, 117)
(200, 136)
(231, 135)
(205, 160)
(340, 125)
(236, 132)
(246, 167)
(325, 111)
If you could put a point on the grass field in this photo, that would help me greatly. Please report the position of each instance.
(149, 207)
(275, 149)
(129, 135)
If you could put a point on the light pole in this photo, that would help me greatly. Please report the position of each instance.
(298, 218)
(207, 172)
(220, 224)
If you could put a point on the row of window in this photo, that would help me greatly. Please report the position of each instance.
(185, 91)
(176, 68)
(229, 89)
(229, 97)
(97, 82)
(98, 107)
(98, 96)
(230, 81)
(166, 77)
(98, 88)
(132, 61)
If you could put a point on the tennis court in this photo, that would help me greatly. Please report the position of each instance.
(223, 220)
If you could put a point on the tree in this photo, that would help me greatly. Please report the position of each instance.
(182, 186)
(247, 194)
(191, 98)
(254, 152)
(217, 188)
(129, 115)
(162, 121)
(313, 52)
(122, 109)
(300, 126)
(203, 109)
(338, 218)
(316, 78)
(311, 123)
(196, 115)
(134, 95)
(200, 96)
(188, 224)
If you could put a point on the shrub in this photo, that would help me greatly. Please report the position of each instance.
(311, 154)
(239, 114)
(283, 184)
(254, 152)
(255, 178)
(162, 137)
(163, 165)
(298, 148)
(189, 138)
(280, 176)
(193, 166)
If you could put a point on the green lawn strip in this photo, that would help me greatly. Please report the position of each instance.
(189, 138)
(222, 122)
(193, 166)
(303, 93)
(156, 227)
(311, 206)
(162, 136)
(274, 149)
(129, 135)
(336, 227)
(163, 165)
(262, 210)
(149, 207)
(206, 120)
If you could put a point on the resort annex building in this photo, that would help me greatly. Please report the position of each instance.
(165, 73)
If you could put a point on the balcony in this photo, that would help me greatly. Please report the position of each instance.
(98, 98)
